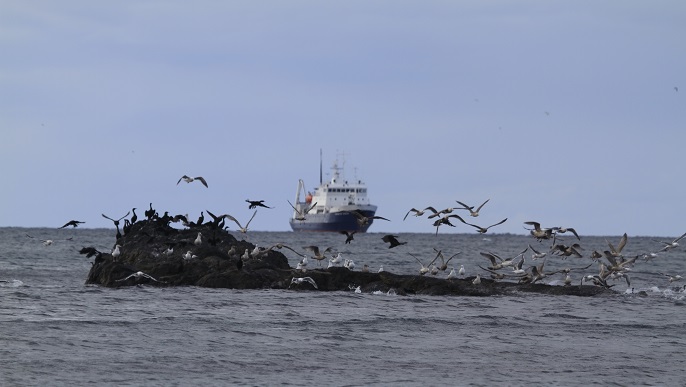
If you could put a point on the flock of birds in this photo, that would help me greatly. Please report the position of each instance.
(612, 263)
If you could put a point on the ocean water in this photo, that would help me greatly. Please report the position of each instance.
(57, 331)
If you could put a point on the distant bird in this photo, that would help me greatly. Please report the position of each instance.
(672, 278)
(364, 219)
(116, 252)
(446, 220)
(443, 211)
(477, 280)
(116, 222)
(497, 262)
(420, 212)
(672, 244)
(461, 271)
(299, 281)
(90, 251)
(240, 227)
(318, 255)
(151, 213)
(137, 276)
(567, 251)
(349, 264)
(538, 232)
(380, 269)
(134, 217)
(348, 236)
(562, 230)
(256, 203)
(472, 211)
(189, 179)
(452, 275)
(444, 262)
(536, 254)
(424, 269)
(391, 239)
(46, 242)
(617, 251)
(303, 211)
(198, 239)
(73, 223)
(279, 246)
(483, 230)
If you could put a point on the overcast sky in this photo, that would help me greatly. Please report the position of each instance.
(564, 112)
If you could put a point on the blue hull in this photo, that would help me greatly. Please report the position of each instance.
(331, 222)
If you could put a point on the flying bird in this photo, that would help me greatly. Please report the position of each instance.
(137, 276)
(672, 244)
(483, 230)
(392, 239)
(472, 211)
(73, 223)
(348, 236)
(302, 212)
(299, 281)
(240, 227)
(256, 203)
(420, 212)
(363, 219)
(189, 179)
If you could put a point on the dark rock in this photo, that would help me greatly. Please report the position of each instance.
(219, 265)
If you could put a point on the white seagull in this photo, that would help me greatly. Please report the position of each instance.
(240, 227)
(672, 244)
(299, 281)
(189, 179)
(137, 275)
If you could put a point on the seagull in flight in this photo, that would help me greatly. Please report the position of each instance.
(189, 179)
(137, 275)
(420, 212)
(301, 213)
(298, 281)
(672, 244)
(73, 223)
(240, 227)
(472, 211)
(483, 230)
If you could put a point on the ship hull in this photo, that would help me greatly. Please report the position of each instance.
(332, 222)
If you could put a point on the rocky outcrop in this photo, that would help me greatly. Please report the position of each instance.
(153, 253)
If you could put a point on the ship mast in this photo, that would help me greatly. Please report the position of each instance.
(320, 167)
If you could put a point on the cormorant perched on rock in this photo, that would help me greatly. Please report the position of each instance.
(150, 213)
(73, 223)
(134, 217)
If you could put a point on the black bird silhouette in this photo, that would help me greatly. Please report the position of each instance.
(348, 236)
(150, 213)
(116, 222)
(73, 223)
(392, 240)
(256, 203)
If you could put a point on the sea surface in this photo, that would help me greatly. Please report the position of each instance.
(57, 331)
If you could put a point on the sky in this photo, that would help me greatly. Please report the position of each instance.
(572, 114)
